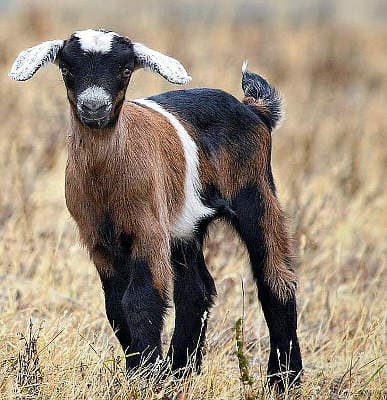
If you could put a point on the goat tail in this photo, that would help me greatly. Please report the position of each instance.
(262, 98)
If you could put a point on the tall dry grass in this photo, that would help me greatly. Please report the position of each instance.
(329, 161)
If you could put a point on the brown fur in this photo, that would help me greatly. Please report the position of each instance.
(278, 242)
(133, 172)
(260, 104)
(279, 248)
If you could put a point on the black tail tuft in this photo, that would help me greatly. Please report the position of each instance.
(261, 97)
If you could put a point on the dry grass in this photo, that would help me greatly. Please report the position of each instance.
(329, 161)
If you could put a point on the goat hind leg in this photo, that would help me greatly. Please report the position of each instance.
(261, 226)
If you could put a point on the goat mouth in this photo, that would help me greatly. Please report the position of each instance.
(95, 123)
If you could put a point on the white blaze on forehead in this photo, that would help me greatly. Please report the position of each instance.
(193, 210)
(94, 93)
(95, 41)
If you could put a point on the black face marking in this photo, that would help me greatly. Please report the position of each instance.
(105, 75)
(219, 119)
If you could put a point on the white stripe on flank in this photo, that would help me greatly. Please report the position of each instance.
(95, 41)
(193, 210)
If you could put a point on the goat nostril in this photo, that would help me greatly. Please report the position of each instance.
(93, 106)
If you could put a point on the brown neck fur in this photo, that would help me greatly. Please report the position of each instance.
(128, 173)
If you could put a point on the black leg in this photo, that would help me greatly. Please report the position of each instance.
(194, 290)
(134, 307)
(114, 281)
(251, 210)
(144, 308)
(114, 288)
(285, 352)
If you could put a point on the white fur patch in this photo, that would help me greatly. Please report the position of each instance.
(94, 93)
(193, 210)
(95, 41)
(166, 66)
(244, 66)
(30, 60)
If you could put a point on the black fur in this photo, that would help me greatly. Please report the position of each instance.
(135, 311)
(220, 120)
(144, 309)
(255, 86)
(194, 291)
(212, 198)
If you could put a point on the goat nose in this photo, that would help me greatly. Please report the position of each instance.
(93, 106)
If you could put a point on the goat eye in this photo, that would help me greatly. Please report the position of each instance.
(65, 71)
(126, 73)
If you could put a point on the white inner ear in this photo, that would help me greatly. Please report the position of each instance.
(30, 60)
(167, 67)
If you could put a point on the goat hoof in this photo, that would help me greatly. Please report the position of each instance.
(284, 381)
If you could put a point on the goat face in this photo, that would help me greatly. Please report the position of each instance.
(96, 67)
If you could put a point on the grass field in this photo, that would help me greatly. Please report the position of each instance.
(329, 161)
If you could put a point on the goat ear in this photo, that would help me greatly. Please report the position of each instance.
(30, 60)
(167, 67)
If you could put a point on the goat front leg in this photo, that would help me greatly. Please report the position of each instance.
(145, 300)
(135, 285)
(114, 283)
(144, 308)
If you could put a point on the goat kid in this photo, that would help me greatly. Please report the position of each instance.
(145, 178)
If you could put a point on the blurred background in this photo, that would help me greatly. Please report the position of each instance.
(329, 61)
